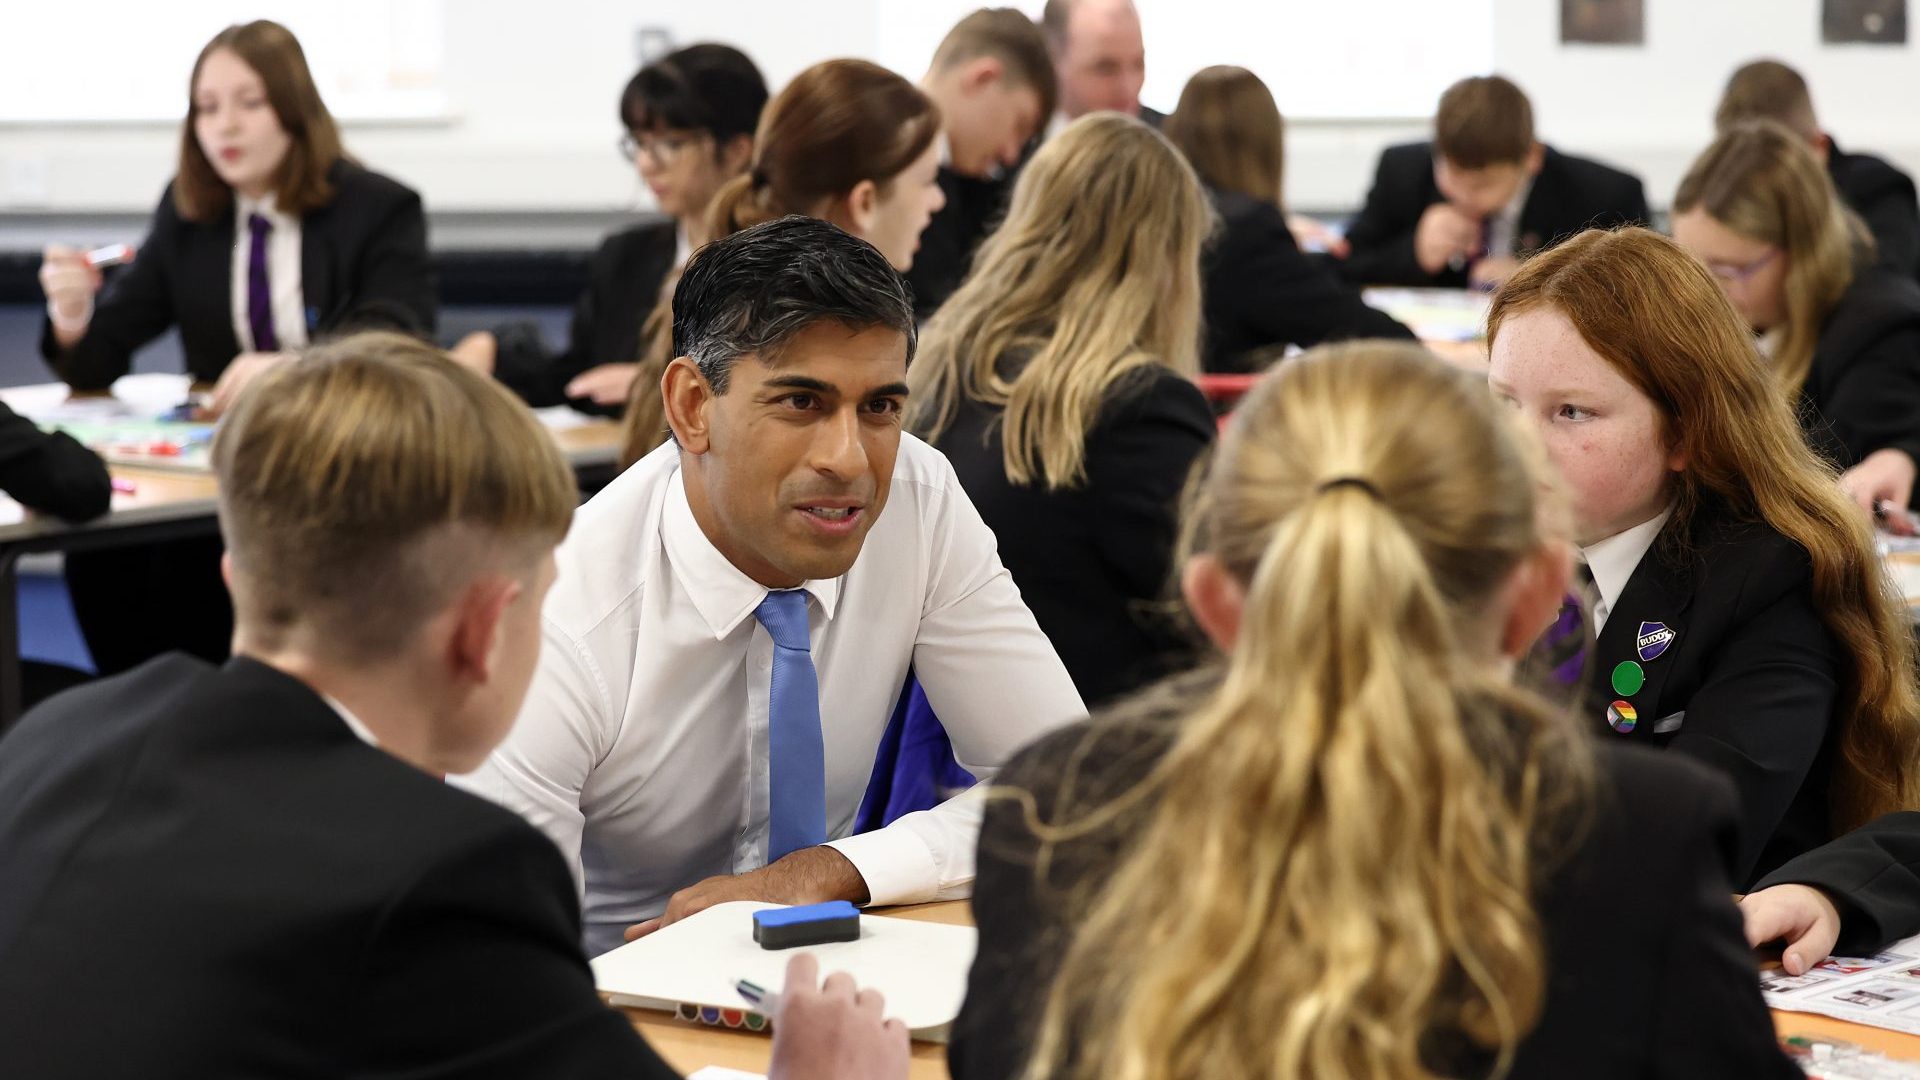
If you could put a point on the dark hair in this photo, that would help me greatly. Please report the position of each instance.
(751, 292)
(1482, 121)
(710, 88)
(1011, 38)
(300, 184)
(837, 123)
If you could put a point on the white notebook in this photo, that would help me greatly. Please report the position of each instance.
(920, 967)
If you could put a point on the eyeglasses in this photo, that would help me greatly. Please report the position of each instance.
(1737, 274)
(664, 150)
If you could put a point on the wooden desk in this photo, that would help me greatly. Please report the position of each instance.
(171, 505)
(688, 1046)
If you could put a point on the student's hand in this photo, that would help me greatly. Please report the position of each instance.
(812, 875)
(245, 368)
(608, 384)
(1882, 476)
(1492, 271)
(70, 282)
(1443, 235)
(478, 351)
(834, 1030)
(1313, 234)
(1800, 915)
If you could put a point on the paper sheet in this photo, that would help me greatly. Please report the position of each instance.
(1880, 991)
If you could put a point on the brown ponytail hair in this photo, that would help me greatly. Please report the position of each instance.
(1657, 316)
(1340, 849)
(836, 124)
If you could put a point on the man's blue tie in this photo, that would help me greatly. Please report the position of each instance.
(797, 803)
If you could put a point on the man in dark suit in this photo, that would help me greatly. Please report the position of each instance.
(994, 82)
(257, 866)
(1465, 208)
(1881, 194)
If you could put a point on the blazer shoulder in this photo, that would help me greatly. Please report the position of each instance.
(1591, 173)
(1662, 806)
(1877, 302)
(363, 185)
(1867, 176)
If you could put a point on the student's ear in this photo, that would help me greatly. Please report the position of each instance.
(863, 207)
(1534, 595)
(736, 154)
(479, 620)
(1215, 598)
(1823, 147)
(687, 400)
(1536, 157)
(981, 73)
(226, 570)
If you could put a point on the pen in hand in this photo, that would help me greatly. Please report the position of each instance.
(765, 1002)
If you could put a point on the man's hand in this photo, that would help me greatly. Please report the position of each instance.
(1800, 915)
(834, 1031)
(809, 876)
(608, 384)
(1492, 271)
(244, 369)
(1444, 235)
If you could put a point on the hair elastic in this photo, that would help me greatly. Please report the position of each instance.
(1350, 481)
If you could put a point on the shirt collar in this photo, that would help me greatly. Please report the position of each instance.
(264, 206)
(682, 245)
(1518, 204)
(1612, 561)
(353, 722)
(722, 594)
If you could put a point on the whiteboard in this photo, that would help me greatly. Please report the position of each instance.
(130, 60)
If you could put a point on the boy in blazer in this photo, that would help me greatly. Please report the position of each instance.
(259, 862)
(1465, 208)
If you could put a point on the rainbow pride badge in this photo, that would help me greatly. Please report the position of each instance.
(1621, 717)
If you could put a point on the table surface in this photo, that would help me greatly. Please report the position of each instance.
(689, 1046)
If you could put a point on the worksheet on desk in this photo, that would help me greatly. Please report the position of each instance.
(1880, 991)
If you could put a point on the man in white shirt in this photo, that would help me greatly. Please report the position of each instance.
(737, 613)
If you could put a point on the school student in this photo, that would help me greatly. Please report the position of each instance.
(1262, 293)
(1100, 58)
(267, 238)
(1059, 383)
(846, 141)
(258, 863)
(1350, 847)
(1841, 335)
(1482, 195)
(1854, 896)
(737, 612)
(993, 82)
(1744, 619)
(689, 119)
(49, 473)
(1880, 193)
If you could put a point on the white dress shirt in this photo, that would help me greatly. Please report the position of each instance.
(1503, 228)
(360, 730)
(1612, 562)
(283, 274)
(642, 749)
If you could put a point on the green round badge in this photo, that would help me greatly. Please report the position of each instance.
(1628, 678)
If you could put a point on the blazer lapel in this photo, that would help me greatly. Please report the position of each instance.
(208, 311)
(1539, 215)
(317, 262)
(1635, 651)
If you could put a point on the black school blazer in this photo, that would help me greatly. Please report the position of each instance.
(278, 897)
(1648, 975)
(974, 208)
(1873, 876)
(1262, 292)
(1571, 194)
(49, 472)
(1884, 198)
(1740, 673)
(624, 278)
(1863, 389)
(363, 265)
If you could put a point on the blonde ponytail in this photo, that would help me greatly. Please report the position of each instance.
(1337, 866)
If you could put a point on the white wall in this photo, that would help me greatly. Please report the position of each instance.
(533, 89)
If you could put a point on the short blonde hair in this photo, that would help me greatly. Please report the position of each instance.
(364, 483)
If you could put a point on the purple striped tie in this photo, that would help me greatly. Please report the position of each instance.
(259, 299)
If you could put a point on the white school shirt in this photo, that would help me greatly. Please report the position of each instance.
(283, 274)
(642, 749)
(1613, 561)
(1503, 228)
